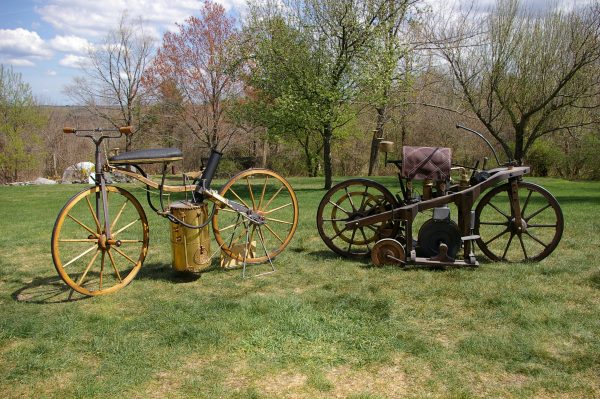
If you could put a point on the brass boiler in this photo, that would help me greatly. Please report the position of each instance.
(190, 248)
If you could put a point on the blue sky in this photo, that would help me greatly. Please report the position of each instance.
(44, 39)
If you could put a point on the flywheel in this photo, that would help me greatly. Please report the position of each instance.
(387, 252)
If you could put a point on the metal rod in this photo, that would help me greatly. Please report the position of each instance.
(483, 138)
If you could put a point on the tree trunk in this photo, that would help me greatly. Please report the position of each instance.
(519, 141)
(377, 137)
(327, 135)
(265, 151)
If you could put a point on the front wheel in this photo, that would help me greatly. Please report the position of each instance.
(503, 239)
(85, 258)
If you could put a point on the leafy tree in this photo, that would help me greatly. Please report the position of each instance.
(525, 75)
(110, 87)
(316, 46)
(387, 76)
(20, 118)
(202, 61)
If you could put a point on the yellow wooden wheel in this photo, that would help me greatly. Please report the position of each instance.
(84, 258)
(272, 197)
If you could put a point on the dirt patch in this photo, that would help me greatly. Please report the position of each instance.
(284, 385)
(387, 381)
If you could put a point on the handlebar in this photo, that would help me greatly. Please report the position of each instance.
(483, 138)
(99, 133)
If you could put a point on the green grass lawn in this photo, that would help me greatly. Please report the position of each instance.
(320, 327)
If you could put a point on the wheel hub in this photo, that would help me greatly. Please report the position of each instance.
(515, 228)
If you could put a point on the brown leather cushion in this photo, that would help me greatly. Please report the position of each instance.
(426, 163)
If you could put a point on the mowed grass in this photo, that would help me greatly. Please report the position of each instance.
(320, 327)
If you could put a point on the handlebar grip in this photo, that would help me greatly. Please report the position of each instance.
(126, 130)
(68, 130)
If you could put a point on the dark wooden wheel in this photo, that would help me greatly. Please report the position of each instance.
(502, 239)
(350, 200)
(272, 197)
(84, 258)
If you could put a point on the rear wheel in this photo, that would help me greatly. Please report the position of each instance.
(270, 196)
(350, 200)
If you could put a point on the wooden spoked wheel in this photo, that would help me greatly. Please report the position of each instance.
(502, 239)
(273, 198)
(350, 200)
(84, 258)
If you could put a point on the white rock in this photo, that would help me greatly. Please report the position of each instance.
(41, 180)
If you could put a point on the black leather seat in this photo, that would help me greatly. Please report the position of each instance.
(154, 155)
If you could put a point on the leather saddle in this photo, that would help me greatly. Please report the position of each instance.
(155, 155)
(421, 163)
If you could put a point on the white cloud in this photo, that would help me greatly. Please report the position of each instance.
(70, 44)
(73, 61)
(51, 72)
(17, 62)
(92, 19)
(22, 47)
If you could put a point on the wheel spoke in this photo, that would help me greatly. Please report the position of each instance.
(82, 225)
(507, 246)
(262, 195)
(124, 228)
(80, 255)
(279, 221)
(499, 211)
(274, 196)
(130, 241)
(494, 223)
(87, 199)
(374, 229)
(335, 220)
(238, 197)
(230, 226)
(350, 199)
(351, 240)
(272, 232)
(338, 234)
(278, 208)
(496, 236)
(362, 231)
(523, 246)
(541, 225)
(525, 204)
(339, 207)
(114, 223)
(364, 197)
(123, 254)
(78, 240)
(251, 193)
(538, 212)
(112, 262)
(536, 239)
(101, 268)
(89, 265)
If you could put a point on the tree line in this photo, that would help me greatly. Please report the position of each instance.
(311, 87)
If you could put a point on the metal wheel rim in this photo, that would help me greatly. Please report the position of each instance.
(519, 239)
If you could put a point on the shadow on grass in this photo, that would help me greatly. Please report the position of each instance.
(46, 290)
(165, 272)
(321, 255)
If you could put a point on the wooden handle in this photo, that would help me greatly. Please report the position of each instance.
(126, 130)
(68, 130)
